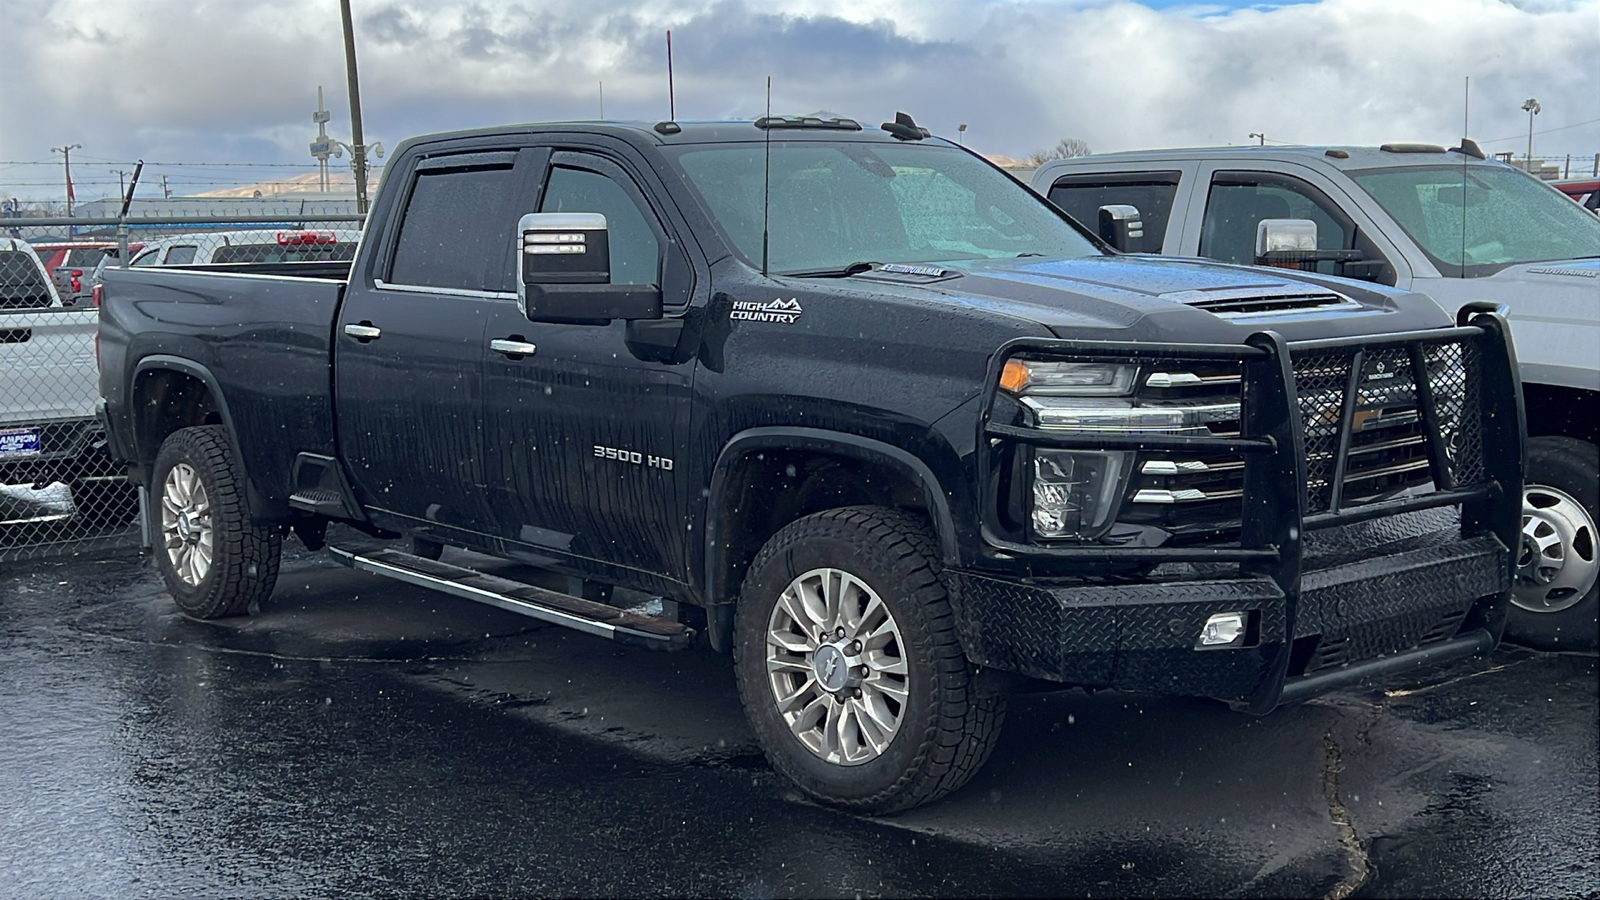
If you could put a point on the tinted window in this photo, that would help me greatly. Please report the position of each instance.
(84, 257)
(1081, 197)
(147, 258)
(1239, 201)
(275, 253)
(635, 252)
(177, 256)
(22, 285)
(450, 227)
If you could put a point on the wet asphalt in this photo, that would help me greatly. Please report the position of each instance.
(358, 737)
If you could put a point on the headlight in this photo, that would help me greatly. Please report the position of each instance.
(1075, 379)
(1076, 493)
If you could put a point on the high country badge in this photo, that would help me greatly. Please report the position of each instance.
(783, 312)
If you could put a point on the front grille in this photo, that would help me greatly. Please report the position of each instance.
(1387, 453)
(1189, 492)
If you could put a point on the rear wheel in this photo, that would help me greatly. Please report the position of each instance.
(1557, 593)
(214, 560)
(849, 668)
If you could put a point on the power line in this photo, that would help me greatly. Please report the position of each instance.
(208, 165)
(1546, 131)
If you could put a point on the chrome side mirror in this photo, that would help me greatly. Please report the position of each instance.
(1121, 226)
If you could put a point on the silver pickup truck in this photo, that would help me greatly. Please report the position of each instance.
(49, 385)
(1447, 223)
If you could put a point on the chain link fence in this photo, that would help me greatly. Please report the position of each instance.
(61, 492)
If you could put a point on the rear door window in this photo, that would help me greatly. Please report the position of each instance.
(452, 224)
(180, 255)
(1081, 197)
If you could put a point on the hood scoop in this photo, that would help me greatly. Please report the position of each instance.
(1260, 302)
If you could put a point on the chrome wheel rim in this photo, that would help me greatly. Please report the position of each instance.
(1557, 565)
(186, 530)
(836, 666)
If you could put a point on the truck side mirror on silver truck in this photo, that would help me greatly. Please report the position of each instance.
(564, 273)
(1285, 236)
(1121, 225)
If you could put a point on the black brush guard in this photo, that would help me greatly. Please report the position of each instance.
(1141, 635)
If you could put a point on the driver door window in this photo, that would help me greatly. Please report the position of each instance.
(1240, 200)
(635, 249)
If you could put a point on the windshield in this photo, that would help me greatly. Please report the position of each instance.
(1473, 221)
(834, 204)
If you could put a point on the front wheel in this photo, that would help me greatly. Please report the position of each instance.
(1557, 592)
(213, 558)
(849, 668)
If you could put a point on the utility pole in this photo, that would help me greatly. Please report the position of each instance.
(358, 148)
(122, 181)
(323, 146)
(166, 192)
(1533, 108)
(66, 162)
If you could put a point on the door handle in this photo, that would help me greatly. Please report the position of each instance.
(512, 347)
(363, 332)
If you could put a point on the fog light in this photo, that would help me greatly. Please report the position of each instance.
(1075, 494)
(1222, 628)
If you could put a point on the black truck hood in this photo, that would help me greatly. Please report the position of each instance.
(1155, 298)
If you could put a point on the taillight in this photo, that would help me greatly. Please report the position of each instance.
(77, 283)
(94, 298)
(299, 238)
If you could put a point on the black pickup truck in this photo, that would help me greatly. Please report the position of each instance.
(857, 407)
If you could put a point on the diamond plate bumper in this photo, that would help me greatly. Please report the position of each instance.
(1416, 601)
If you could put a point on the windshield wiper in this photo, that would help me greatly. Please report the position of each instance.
(855, 268)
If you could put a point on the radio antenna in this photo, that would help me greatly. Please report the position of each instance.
(672, 101)
(766, 177)
(1466, 119)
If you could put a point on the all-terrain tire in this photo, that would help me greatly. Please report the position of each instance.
(946, 730)
(243, 557)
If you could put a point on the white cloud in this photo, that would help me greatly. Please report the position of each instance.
(230, 80)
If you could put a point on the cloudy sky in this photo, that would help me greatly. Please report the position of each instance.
(190, 85)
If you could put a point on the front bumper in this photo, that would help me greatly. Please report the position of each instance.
(1373, 613)
(1333, 588)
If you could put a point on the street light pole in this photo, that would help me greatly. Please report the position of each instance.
(1263, 138)
(66, 162)
(358, 148)
(1533, 108)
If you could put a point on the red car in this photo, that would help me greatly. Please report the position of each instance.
(1584, 190)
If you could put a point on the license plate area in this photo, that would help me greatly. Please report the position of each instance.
(20, 444)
